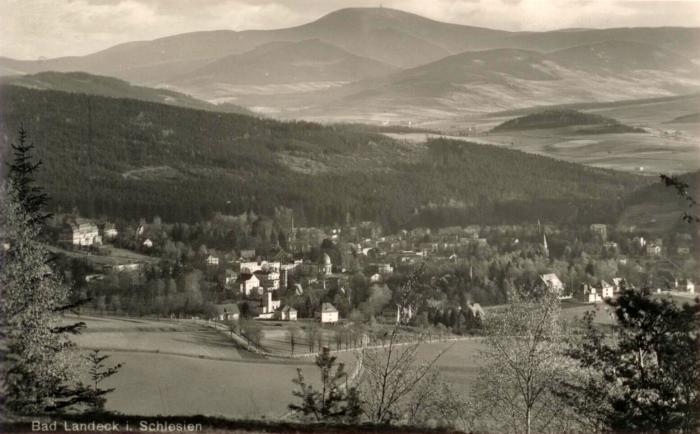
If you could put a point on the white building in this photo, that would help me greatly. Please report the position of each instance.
(287, 313)
(589, 294)
(327, 266)
(227, 312)
(385, 268)
(606, 289)
(552, 283)
(270, 280)
(653, 249)
(593, 294)
(81, 232)
(248, 283)
(328, 314)
(268, 305)
(686, 285)
(253, 266)
(109, 231)
(230, 278)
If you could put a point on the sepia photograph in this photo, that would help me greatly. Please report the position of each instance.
(350, 216)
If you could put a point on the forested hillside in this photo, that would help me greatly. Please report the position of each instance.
(125, 158)
(559, 118)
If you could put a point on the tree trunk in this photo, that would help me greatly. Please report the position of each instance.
(527, 420)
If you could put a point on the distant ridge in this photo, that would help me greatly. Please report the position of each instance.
(692, 118)
(382, 65)
(84, 83)
(387, 35)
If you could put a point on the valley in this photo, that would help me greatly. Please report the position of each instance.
(230, 213)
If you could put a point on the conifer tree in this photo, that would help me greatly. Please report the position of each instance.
(38, 372)
(335, 401)
(98, 373)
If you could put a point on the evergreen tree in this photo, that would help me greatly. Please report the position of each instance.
(335, 401)
(38, 372)
(31, 199)
(98, 373)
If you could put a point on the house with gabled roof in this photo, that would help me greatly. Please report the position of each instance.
(551, 282)
(328, 314)
(80, 232)
(596, 293)
(287, 313)
(227, 311)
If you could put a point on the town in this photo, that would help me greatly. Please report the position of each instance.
(250, 267)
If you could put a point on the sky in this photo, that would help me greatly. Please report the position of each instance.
(31, 29)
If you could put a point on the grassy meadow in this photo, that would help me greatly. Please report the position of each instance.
(185, 368)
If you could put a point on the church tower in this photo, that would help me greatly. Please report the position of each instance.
(327, 265)
(545, 247)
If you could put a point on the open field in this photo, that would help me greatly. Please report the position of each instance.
(186, 368)
(114, 256)
(573, 311)
(173, 367)
(459, 364)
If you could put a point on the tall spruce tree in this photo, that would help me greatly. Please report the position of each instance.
(38, 372)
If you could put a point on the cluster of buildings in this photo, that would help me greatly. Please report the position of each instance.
(261, 280)
(365, 248)
(599, 291)
(79, 232)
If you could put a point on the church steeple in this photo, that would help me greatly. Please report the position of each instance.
(545, 248)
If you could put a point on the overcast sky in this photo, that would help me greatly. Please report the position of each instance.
(30, 29)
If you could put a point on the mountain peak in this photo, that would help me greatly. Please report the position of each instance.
(370, 18)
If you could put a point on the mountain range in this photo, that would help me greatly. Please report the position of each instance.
(384, 65)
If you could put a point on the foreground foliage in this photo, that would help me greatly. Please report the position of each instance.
(38, 371)
(524, 357)
(98, 373)
(645, 375)
(334, 401)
